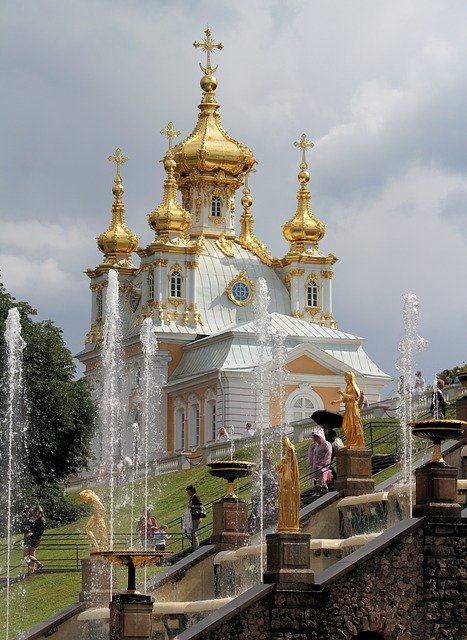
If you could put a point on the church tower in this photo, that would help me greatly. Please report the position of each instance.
(118, 244)
(306, 270)
(197, 280)
(211, 164)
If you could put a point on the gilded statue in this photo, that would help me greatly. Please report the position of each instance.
(352, 422)
(96, 521)
(289, 489)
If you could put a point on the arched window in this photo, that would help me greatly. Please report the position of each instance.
(302, 408)
(301, 403)
(216, 206)
(210, 415)
(151, 284)
(179, 424)
(312, 294)
(176, 284)
(193, 420)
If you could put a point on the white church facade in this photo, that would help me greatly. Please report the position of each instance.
(198, 280)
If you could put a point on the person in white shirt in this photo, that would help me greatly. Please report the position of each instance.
(419, 383)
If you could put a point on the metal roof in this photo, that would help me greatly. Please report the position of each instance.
(236, 348)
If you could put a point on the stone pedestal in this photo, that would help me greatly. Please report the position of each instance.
(436, 491)
(95, 582)
(289, 561)
(354, 472)
(461, 410)
(131, 617)
(464, 462)
(229, 523)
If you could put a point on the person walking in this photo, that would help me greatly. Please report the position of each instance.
(33, 537)
(319, 459)
(191, 517)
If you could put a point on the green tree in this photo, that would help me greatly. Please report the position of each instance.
(61, 413)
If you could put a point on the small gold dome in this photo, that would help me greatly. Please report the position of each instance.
(169, 215)
(304, 227)
(117, 240)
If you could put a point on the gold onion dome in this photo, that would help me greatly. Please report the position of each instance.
(304, 227)
(209, 148)
(117, 240)
(169, 216)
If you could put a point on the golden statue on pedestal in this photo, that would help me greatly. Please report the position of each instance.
(96, 521)
(352, 422)
(289, 489)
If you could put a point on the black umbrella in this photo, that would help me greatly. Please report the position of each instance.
(326, 418)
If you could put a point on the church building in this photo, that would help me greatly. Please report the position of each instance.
(198, 280)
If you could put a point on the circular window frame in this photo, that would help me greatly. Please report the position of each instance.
(242, 279)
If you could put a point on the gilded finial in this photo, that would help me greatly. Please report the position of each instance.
(169, 215)
(304, 228)
(119, 159)
(117, 242)
(170, 132)
(208, 45)
(304, 144)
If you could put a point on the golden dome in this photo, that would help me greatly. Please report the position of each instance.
(304, 227)
(117, 240)
(209, 148)
(169, 216)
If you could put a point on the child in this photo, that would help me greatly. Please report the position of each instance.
(160, 538)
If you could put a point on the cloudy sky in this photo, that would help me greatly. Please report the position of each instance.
(380, 86)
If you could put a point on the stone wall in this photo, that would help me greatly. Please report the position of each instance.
(408, 584)
(446, 579)
(381, 594)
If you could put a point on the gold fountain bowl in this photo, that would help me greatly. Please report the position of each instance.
(124, 557)
(230, 469)
(439, 429)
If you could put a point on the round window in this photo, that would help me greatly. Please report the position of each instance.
(240, 291)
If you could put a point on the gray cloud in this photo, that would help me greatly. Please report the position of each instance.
(380, 87)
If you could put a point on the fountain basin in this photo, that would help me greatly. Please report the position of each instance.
(437, 431)
(131, 558)
(230, 470)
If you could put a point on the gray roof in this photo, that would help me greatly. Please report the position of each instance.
(236, 348)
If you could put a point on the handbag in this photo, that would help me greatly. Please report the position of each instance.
(198, 512)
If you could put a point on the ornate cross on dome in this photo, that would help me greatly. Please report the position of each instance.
(208, 45)
(304, 144)
(170, 133)
(119, 159)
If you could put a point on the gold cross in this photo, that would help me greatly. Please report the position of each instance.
(118, 158)
(208, 45)
(304, 144)
(170, 132)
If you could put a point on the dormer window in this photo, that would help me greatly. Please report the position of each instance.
(216, 207)
(175, 284)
